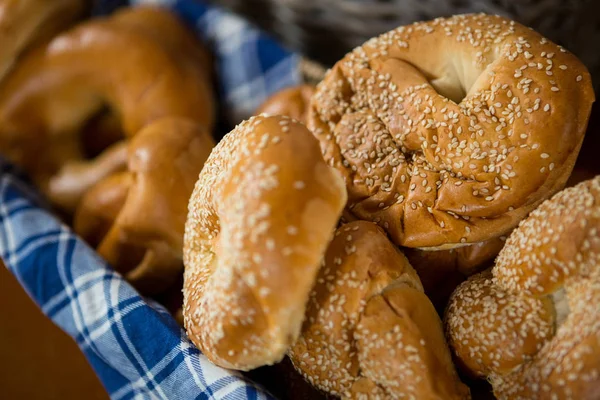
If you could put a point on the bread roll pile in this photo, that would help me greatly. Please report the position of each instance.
(333, 226)
(123, 180)
(447, 134)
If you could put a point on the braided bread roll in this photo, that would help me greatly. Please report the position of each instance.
(260, 218)
(451, 131)
(370, 331)
(532, 324)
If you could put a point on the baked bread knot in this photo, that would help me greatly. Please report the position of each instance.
(292, 102)
(557, 242)
(441, 271)
(533, 327)
(141, 63)
(25, 23)
(135, 218)
(260, 218)
(370, 332)
(451, 131)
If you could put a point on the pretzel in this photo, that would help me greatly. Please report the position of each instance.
(292, 102)
(451, 131)
(136, 217)
(141, 63)
(24, 23)
(533, 327)
(260, 218)
(370, 332)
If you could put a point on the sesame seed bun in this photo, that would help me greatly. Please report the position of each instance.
(492, 331)
(559, 240)
(370, 331)
(260, 218)
(451, 131)
(500, 326)
(568, 366)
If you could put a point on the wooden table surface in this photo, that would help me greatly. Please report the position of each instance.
(37, 359)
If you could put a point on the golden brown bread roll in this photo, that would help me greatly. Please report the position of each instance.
(558, 241)
(113, 62)
(451, 131)
(136, 218)
(24, 23)
(100, 207)
(533, 329)
(370, 331)
(292, 101)
(493, 331)
(260, 217)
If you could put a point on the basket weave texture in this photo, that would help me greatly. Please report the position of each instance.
(324, 30)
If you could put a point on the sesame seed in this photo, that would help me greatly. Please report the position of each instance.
(299, 185)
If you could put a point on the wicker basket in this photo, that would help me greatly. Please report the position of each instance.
(324, 30)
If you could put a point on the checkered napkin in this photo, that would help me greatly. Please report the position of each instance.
(133, 344)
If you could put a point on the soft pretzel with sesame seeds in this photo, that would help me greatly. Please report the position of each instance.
(142, 63)
(260, 218)
(370, 331)
(25, 23)
(292, 102)
(449, 132)
(532, 324)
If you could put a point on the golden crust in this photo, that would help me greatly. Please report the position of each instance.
(370, 331)
(118, 61)
(136, 217)
(451, 131)
(292, 101)
(558, 240)
(24, 23)
(492, 331)
(260, 218)
(552, 257)
(568, 367)
(100, 206)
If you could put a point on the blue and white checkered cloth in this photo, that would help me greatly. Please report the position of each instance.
(134, 345)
